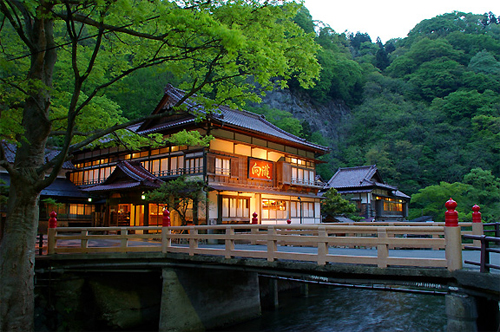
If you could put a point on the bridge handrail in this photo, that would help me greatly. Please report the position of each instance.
(485, 249)
(264, 241)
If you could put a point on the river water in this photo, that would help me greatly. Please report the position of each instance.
(329, 309)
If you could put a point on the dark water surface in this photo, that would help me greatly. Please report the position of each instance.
(346, 309)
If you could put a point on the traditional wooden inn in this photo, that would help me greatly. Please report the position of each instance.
(251, 166)
(375, 199)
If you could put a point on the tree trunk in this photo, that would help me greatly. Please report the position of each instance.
(17, 261)
(17, 249)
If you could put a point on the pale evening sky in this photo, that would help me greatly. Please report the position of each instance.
(389, 18)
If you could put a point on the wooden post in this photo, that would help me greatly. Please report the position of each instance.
(84, 241)
(51, 233)
(229, 242)
(166, 241)
(193, 241)
(382, 247)
(453, 237)
(272, 245)
(477, 225)
(124, 239)
(322, 245)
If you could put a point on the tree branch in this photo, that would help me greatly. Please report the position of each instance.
(17, 24)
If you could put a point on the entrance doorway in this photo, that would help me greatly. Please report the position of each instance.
(130, 215)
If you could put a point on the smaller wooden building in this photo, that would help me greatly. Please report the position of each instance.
(375, 199)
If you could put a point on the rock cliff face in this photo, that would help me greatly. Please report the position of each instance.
(327, 118)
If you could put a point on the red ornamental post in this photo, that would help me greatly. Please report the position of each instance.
(451, 216)
(453, 237)
(166, 218)
(477, 225)
(53, 220)
(288, 221)
(254, 219)
(476, 215)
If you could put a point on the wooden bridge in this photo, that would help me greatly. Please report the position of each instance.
(277, 242)
(402, 255)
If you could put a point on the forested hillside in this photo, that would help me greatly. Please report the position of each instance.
(425, 109)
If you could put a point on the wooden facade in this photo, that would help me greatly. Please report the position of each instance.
(250, 166)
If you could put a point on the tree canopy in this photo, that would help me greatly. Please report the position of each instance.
(61, 60)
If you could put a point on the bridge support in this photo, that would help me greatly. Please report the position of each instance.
(462, 313)
(199, 299)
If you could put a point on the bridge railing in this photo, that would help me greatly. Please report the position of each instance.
(271, 242)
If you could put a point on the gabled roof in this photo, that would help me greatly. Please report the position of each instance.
(360, 176)
(222, 115)
(128, 175)
(361, 179)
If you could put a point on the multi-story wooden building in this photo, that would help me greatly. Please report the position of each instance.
(251, 166)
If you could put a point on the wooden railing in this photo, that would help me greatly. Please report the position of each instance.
(271, 242)
(484, 244)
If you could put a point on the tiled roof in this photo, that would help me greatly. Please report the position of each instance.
(10, 155)
(360, 176)
(114, 186)
(228, 117)
(360, 179)
(128, 175)
(59, 188)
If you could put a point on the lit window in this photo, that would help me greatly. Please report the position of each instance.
(233, 207)
(222, 166)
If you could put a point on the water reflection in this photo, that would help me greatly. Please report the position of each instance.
(346, 309)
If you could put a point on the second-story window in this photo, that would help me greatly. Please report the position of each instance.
(222, 166)
(302, 176)
(194, 165)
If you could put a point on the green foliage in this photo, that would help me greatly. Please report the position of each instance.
(206, 51)
(179, 195)
(430, 201)
(334, 205)
(191, 138)
(485, 192)
(282, 119)
(433, 114)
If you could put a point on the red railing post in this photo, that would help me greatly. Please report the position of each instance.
(453, 237)
(254, 219)
(51, 233)
(451, 216)
(477, 225)
(166, 218)
(53, 220)
(166, 241)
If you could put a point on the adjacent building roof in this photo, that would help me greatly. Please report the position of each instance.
(360, 179)
(128, 175)
(224, 116)
(61, 187)
(10, 155)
